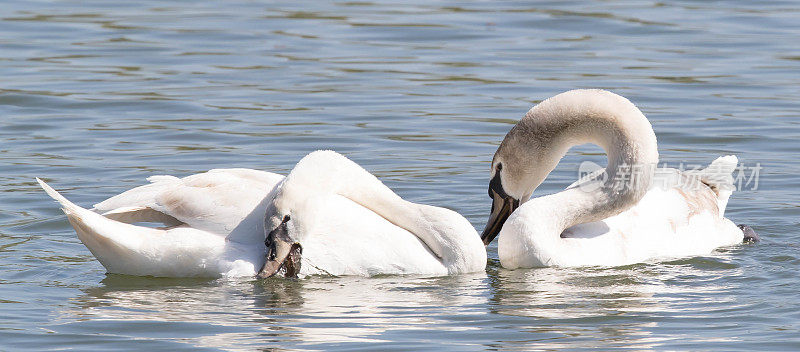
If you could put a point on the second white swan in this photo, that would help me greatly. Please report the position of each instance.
(610, 221)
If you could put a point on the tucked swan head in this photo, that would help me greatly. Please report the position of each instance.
(535, 145)
(291, 216)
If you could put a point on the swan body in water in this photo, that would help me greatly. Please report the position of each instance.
(213, 225)
(616, 217)
(328, 216)
(346, 222)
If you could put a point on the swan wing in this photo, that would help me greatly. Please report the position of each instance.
(136, 250)
(664, 224)
(682, 215)
(215, 201)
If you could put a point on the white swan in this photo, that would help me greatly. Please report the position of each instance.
(346, 222)
(622, 219)
(215, 225)
(329, 216)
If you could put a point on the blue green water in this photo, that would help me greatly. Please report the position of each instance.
(97, 96)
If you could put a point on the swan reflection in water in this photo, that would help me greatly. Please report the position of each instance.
(635, 306)
(532, 308)
(313, 311)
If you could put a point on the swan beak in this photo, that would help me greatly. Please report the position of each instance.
(502, 207)
(283, 254)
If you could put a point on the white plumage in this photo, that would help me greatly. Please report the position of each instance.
(215, 225)
(349, 223)
(345, 219)
(604, 222)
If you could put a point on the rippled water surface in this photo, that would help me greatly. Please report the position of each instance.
(97, 96)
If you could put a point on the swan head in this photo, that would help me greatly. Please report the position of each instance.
(520, 165)
(503, 204)
(284, 251)
(535, 145)
(283, 254)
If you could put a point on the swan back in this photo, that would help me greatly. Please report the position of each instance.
(176, 252)
(215, 201)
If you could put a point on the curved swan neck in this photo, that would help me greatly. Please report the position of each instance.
(448, 235)
(576, 117)
(328, 172)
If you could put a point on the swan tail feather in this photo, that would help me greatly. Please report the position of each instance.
(120, 247)
(719, 177)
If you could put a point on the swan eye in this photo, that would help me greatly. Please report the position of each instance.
(499, 167)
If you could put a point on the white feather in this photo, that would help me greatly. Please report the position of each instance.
(216, 218)
(349, 223)
(664, 216)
